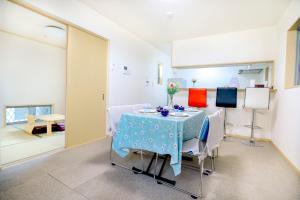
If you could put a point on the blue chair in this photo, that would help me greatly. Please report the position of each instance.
(203, 146)
(226, 98)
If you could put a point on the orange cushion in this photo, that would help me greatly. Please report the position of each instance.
(197, 97)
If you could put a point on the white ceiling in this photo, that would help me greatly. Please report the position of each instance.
(23, 22)
(149, 19)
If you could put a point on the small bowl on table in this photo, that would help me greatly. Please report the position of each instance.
(164, 112)
(159, 109)
(181, 108)
(176, 106)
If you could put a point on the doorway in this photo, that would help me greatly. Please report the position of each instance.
(49, 70)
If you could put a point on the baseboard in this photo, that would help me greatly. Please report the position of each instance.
(85, 143)
(268, 140)
(247, 137)
(289, 161)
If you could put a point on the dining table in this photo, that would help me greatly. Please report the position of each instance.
(163, 135)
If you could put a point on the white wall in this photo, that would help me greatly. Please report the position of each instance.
(286, 124)
(31, 73)
(125, 49)
(236, 47)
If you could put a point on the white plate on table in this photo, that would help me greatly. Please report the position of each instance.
(179, 114)
(147, 110)
(192, 110)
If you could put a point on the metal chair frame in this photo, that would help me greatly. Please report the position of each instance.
(252, 141)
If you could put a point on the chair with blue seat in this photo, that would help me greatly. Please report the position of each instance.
(208, 139)
(226, 98)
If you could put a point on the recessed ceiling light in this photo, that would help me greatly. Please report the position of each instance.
(54, 31)
(169, 14)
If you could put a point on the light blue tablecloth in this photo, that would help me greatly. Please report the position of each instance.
(152, 132)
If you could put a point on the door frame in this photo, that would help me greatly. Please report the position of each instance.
(68, 23)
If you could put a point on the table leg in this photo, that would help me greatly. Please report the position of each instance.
(49, 128)
(158, 177)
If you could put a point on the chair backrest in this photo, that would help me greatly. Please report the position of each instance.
(30, 124)
(197, 97)
(141, 106)
(213, 138)
(115, 113)
(257, 98)
(226, 97)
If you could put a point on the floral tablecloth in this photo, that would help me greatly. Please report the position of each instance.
(155, 133)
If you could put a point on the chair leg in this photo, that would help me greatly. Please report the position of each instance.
(212, 163)
(225, 122)
(115, 163)
(225, 137)
(201, 177)
(252, 142)
(111, 159)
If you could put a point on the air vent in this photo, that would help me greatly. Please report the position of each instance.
(250, 71)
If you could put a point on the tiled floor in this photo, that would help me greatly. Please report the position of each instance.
(242, 173)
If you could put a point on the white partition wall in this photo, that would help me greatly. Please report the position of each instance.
(237, 47)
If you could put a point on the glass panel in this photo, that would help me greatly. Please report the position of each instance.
(240, 76)
(160, 74)
(18, 114)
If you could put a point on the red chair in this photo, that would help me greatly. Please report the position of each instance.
(198, 97)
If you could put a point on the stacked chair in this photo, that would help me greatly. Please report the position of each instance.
(204, 145)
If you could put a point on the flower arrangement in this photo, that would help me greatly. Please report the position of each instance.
(172, 88)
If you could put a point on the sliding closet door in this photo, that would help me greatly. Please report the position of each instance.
(86, 87)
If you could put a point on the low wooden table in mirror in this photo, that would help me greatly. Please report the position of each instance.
(231, 75)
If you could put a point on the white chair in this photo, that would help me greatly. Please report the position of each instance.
(256, 99)
(218, 130)
(114, 115)
(137, 107)
(202, 150)
(221, 132)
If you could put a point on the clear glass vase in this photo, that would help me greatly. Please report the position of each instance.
(171, 103)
